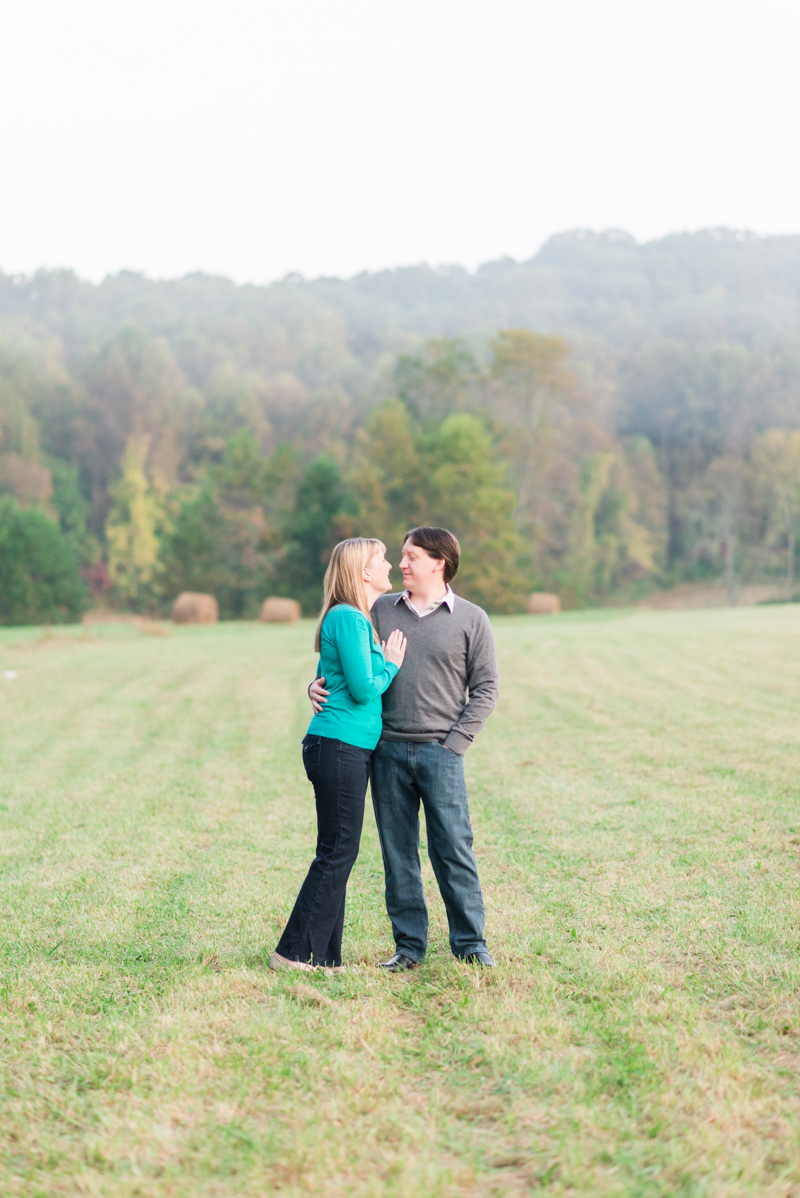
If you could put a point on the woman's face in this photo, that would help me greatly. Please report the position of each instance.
(377, 571)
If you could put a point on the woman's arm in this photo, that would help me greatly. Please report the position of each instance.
(353, 638)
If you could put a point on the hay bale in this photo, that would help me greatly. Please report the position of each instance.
(543, 604)
(280, 611)
(193, 608)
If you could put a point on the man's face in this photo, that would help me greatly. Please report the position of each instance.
(419, 569)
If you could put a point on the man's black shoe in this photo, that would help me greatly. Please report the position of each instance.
(399, 963)
(480, 958)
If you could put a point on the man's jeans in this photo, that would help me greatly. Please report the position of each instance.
(402, 775)
(339, 773)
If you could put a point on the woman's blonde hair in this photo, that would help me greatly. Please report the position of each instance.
(344, 578)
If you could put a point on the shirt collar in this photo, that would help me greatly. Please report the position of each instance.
(448, 599)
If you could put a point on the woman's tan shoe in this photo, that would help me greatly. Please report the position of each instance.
(276, 961)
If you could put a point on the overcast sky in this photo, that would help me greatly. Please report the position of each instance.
(256, 137)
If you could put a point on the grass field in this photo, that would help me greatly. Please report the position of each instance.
(636, 801)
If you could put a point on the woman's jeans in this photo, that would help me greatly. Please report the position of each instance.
(403, 775)
(339, 774)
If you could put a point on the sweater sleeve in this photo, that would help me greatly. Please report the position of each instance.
(353, 638)
(482, 684)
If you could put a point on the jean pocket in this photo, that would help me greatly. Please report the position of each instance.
(311, 750)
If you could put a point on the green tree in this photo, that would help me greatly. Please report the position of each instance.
(412, 472)
(132, 528)
(388, 478)
(72, 508)
(40, 580)
(532, 392)
(548, 439)
(717, 508)
(618, 530)
(223, 533)
(776, 469)
(438, 381)
(26, 479)
(20, 381)
(136, 393)
(467, 492)
(23, 475)
(197, 551)
(324, 512)
(244, 474)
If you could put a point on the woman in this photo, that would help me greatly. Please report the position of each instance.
(339, 744)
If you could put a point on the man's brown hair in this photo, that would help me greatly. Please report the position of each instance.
(437, 543)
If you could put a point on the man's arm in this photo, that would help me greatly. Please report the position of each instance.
(317, 694)
(482, 684)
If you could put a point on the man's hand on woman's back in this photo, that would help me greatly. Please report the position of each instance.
(394, 649)
(318, 695)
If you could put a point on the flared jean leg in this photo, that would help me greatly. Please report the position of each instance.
(339, 773)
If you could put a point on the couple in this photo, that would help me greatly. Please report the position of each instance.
(411, 680)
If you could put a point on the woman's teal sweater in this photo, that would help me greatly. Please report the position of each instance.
(356, 673)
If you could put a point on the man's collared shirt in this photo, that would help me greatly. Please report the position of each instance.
(448, 597)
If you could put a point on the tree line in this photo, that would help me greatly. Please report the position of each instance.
(156, 437)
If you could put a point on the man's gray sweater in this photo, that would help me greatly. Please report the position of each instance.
(449, 654)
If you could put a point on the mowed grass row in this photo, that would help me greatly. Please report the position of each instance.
(637, 813)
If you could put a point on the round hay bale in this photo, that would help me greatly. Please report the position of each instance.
(280, 611)
(193, 608)
(543, 604)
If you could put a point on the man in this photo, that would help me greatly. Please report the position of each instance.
(432, 712)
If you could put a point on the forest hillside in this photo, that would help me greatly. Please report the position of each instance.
(606, 418)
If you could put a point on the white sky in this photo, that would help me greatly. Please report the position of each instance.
(255, 137)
